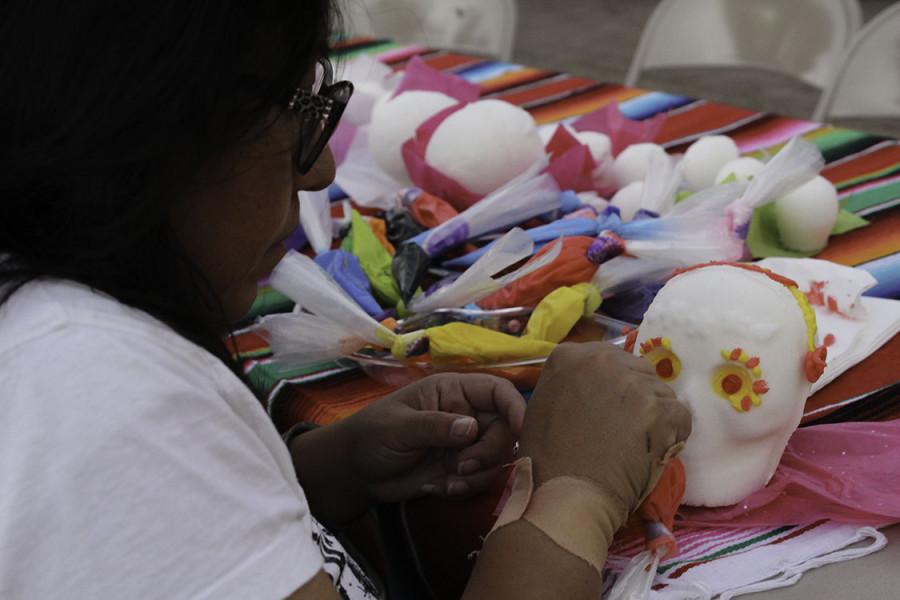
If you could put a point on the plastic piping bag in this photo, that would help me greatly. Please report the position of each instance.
(660, 186)
(315, 218)
(478, 280)
(564, 227)
(333, 324)
(697, 233)
(796, 163)
(528, 195)
(374, 259)
(344, 268)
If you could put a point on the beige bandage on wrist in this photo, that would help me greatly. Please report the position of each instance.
(571, 511)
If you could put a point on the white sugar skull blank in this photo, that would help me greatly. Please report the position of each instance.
(737, 345)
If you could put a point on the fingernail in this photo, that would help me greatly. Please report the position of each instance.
(455, 488)
(462, 427)
(468, 466)
(429, 488)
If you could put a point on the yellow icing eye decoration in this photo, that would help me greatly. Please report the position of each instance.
(740, 382)
(659, 352)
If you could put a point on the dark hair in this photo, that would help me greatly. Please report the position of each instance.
(108, 112)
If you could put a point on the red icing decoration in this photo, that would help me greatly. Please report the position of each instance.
(630, 340)
(753, 362)
(815, 295)
(746, 403)
(830, 339)
(832, 304)
(761, 386)
(736, 353)
(815, 362)
(747, 267)
(646, 347)
(731, 384)
(664, 368)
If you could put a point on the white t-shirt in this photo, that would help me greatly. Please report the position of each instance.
(134, 464)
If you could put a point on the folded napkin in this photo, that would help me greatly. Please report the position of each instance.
(724, 563)
(854, 326)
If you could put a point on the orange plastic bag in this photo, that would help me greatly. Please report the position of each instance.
(430, 211)
(569, 268)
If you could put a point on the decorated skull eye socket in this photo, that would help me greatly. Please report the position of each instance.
(740, 380)
(659, 352)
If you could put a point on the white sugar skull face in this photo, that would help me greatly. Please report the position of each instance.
(736, 346)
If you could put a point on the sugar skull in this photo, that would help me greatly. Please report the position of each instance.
(737, 344)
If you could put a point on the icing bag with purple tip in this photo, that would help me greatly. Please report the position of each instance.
(795, 164)
(530, 194)
(479, 280)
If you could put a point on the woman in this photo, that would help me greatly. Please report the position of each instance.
(151, 155)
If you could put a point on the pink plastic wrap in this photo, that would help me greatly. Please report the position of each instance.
(419, 76)
(427, 177)
(848, 472)
(621, 130)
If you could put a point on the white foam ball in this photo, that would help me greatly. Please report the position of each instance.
(485, 144)
(598, 143)
(705, 157)
(806, 215)
(744, 169)
(395, 120)
(628, 200)
(632, 163)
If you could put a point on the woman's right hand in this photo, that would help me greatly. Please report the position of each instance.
(599, 413)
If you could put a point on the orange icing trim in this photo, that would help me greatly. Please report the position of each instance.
(631, 340)
(814, 364)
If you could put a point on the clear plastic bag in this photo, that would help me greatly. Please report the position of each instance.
(636, 579)
(315, 218)
(363, 180)
(303, 281)
(796, 163)
(526, 196)
(695, 234)
(300, 339)
(661, 184)
(478, 280)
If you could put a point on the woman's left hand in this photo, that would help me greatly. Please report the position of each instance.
(446, 434)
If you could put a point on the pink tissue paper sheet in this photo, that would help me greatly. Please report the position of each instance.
(621, 130)
(847, 472)
(427, 177)
(420, 77)
(571, 163)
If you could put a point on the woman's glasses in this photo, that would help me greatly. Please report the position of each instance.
(320, 108)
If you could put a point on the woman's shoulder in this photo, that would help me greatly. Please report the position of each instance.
(40, 310)
(60, 339)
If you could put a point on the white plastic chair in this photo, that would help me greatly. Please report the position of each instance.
(867, 81)
(803, 38)
(479, 26)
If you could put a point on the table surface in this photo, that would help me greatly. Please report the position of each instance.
(864, 168)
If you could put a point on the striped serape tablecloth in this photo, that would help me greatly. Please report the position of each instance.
(865, 168)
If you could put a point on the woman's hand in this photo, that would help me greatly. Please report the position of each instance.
(447, 434)
(601, 414)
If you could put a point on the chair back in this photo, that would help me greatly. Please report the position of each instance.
(484, 27)
(803, 38)
(867, 80)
